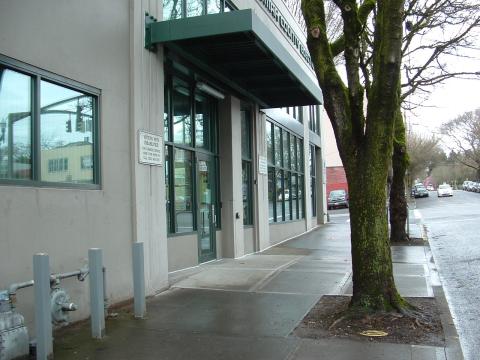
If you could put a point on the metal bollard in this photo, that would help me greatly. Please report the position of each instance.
(97, 308)
(43, 317)
(138, 280)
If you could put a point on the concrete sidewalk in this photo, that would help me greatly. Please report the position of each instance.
(247, 308)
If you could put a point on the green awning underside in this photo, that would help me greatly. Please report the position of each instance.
(239, 50)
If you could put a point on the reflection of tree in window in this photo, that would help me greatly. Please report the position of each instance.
(181, 116)
(172, 9)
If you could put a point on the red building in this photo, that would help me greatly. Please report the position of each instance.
(336, 179)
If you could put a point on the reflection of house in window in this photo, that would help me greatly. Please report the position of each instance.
(71, 162)
(55, 165)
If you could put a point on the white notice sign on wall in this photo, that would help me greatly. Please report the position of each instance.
(150, 148)
(262, 165)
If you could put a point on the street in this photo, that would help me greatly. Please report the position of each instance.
(453, 227)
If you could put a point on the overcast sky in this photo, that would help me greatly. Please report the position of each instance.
(446, 102)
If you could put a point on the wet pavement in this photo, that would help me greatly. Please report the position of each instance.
(453, 226)
(247, 308)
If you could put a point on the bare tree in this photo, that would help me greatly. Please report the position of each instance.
(464, 134)
(425, 154)
(438, 32)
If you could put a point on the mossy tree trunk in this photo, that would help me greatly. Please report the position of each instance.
(398, 201)
(365, 140)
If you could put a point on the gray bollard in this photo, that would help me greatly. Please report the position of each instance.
(97, 310)
(43, 317)
(138, 280)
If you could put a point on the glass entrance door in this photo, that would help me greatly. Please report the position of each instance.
(206, 207)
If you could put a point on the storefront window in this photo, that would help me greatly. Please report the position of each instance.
(285, 173)
(183, 191)
(191, 139)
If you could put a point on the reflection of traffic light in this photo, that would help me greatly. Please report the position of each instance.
(68, 126)
(79, 125)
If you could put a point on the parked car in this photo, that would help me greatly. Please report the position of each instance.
(471, 186)
(337, 198)
(476, 187)
(444, 190)
(419, 191)
(465, 185)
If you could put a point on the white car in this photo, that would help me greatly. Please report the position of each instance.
(444, 190)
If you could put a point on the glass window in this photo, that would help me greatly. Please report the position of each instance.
(271, 195)
(183, 191)
(278, 146)
(66, 132)
(294, 196)
(286, 149)
(203, 121)
(15, 125)
(214, 6)
(247, 192)
(300, 197)
(168, 156)
(269, 143)
(189, 136)
(195, 7)
(287, 195)
(166, 117)
(293, 152)
(246, 145)
(284, 178)
(300, 155)
(279, 193)
(312, 160)
(182, 122)
(172, 9)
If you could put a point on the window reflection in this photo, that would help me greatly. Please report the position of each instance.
(286, 150)
(271, 195)
(172, 9)
(279, 191)
(202, 122)
(294, 197)
(66, 134)
(183, 191)
(278, 146)
(182, 122)
(15, 125)
(194, 7)
(269, 143)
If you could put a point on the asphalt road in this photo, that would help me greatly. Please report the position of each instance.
(453, 227)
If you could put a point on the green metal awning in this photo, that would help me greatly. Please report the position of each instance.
(239, 50)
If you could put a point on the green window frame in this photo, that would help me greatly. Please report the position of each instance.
(54, 139)
(285, 174)
(198, 137)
